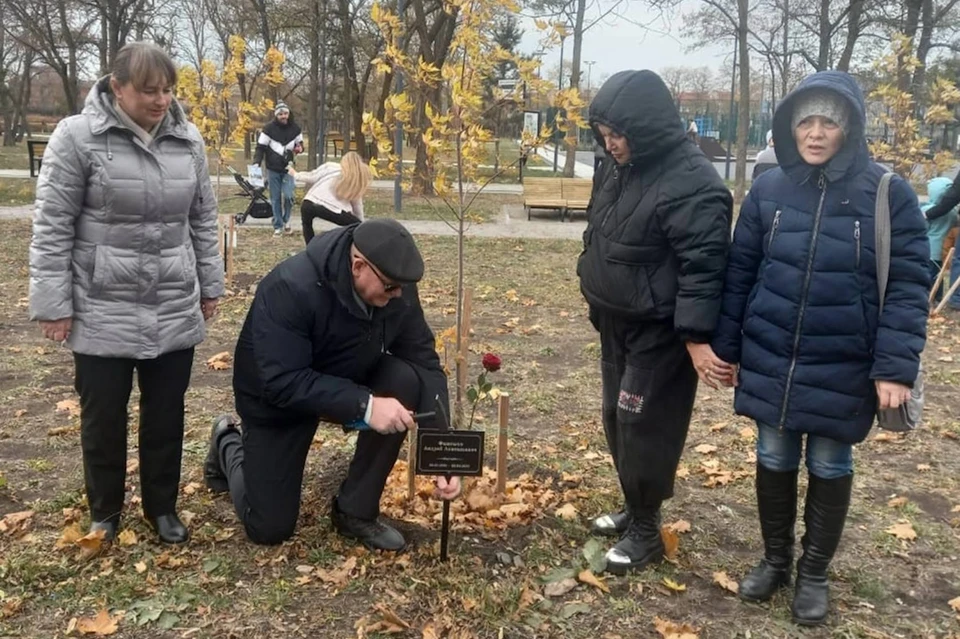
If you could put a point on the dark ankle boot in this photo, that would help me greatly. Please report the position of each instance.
(640, 544)
(169, 528)
(825, 514)
(777, 505)
(213, 475)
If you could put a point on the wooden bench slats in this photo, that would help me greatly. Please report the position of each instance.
(557, 193)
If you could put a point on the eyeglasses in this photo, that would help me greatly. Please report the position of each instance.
(387, 286)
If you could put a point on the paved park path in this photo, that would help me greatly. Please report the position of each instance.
(512, 223)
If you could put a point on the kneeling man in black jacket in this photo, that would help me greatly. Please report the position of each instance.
(335, 333)
(652, 269)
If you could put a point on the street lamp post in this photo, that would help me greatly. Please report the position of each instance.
(733, 86)
(590, 64)
(398, 141)
(556, 144)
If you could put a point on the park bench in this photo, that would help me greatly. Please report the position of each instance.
(339, 150)
(35, 149)
(576, 192)
(563, 194)
(543, 193)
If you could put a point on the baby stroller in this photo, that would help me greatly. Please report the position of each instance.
(259, 206)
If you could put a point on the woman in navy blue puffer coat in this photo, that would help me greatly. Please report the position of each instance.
(800, 316)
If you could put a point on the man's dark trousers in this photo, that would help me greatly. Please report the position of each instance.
(265, 468)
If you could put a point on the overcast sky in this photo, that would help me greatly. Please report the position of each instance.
(617, 45)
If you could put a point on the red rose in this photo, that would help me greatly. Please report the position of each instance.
(491, 363)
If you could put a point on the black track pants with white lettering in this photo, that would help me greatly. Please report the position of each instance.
(648, 394)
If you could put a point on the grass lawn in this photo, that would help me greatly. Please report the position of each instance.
(510, 554)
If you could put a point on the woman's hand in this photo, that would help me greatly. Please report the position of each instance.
(891, 394)
(57, 330)
(712, 370)
(292, 171)
(209, 307)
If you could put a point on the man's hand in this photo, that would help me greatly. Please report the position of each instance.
(57, 330)
(891, 394)
(447, 488)
(389, 416)
(712, 370)
(209, 307)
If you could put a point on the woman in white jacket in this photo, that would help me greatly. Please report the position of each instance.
(334, 192)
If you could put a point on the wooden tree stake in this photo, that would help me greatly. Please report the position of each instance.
(504, 415)
(231, 230)
(412, 462)
(943, 271)
(464, 348)
(946, 298)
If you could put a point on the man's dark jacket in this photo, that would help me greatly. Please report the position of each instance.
(801, 304)
(658, 229)
(276, 144)
(307, 347)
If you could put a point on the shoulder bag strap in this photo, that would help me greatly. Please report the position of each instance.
(881, 224)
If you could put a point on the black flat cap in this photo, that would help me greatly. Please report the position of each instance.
(389, 246)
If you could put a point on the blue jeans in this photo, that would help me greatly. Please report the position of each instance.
(780, 450)
(280, 184)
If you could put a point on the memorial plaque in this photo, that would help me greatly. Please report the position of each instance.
(450, 452)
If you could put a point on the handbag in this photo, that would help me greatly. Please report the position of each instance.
(905, 417)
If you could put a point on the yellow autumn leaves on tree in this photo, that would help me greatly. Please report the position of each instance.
(215, 102)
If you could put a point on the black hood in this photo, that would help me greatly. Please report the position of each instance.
(852, 156)
(638, 105)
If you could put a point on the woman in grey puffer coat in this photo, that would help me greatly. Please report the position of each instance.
(125, 268)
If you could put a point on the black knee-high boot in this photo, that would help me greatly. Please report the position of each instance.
(777, 506)
(824, 515)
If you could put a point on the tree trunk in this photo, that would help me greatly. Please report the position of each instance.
(743, 116)
(910, 27)
(853, 34)
(313, 89)
(923, 49)
(823, 54)
(573, 135)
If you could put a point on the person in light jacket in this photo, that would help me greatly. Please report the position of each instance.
(124, 269)
(801, 318)
(334, 192)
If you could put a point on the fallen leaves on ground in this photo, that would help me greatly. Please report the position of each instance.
(955, 604)
(102, 625)
(897, 502)
(679, 526)
(673, 630)
(705, 449)
(567, 511)
(339, 576)
(16, 524)
(922, 468)
(723, 580)
(70, 406)
(903, 529)
(127, 538)
(674, 585)
(587, 577)
(559, 588)
(220, 361)
(671, 542)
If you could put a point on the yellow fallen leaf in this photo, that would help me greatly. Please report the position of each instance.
(91, 543)
(923, 467)
(672, 630)
(897, 502)
(671, 542)
(680, 526)
(71, 406)
(705, 449)
(140, 567)
(69, 536)
(955, 509)
(16, 523)
(430, 631)
(673, 585)
(127, 538)
(220, 361)
(955, 604)
(567, 511)
(747, 434)
(886, 436)
(903, 530)
(683, 472)
(20, 413)
(724, 581)
(587, 577)
(102, 625)
(718, 427)
(338, 576)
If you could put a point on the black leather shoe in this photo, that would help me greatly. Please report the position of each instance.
(640, 546)
(373, 534)
(109, 529)
(170, 529)
(213, 475)
(611, 525)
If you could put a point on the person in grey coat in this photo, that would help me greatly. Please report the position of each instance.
(124, 269)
